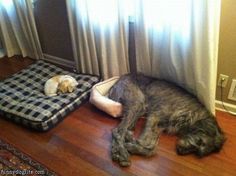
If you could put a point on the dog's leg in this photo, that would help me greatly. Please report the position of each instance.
(127, 92)
(123, 133)
(146, 143)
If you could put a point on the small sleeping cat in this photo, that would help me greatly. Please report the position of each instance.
(60, 83)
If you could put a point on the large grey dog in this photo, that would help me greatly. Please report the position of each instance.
(167, 108)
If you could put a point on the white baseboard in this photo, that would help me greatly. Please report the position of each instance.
(58, 60)
(229, 107)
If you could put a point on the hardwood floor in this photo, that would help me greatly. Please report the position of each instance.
(8, 66)
(80, 145)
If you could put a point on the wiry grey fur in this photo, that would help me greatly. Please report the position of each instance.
(166, 107)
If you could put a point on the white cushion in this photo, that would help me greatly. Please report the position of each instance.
(99, 97)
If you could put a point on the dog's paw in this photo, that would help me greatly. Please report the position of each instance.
(120, 154)
(136, 148)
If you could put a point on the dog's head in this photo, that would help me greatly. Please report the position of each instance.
(66, 86)
(201, 145)
(206, 138)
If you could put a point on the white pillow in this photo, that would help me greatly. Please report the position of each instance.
(99, 97)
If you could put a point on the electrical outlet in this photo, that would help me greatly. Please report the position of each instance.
(223, 80)
(232, 91)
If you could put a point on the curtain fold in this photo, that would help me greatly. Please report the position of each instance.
(178, 41)
(99, 31)
(18, 30)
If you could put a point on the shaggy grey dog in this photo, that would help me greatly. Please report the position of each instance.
(167, 108)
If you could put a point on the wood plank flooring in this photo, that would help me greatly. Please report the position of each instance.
(80, 145)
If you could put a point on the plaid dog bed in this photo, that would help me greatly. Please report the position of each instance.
(22, 97)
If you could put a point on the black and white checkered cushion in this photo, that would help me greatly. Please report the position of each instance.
(22, 97)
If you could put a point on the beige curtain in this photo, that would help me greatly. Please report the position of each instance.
(178, 41)
(18, 29)
(99, 31)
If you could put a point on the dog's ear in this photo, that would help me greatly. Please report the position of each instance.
(70, 88)
(62, 87)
